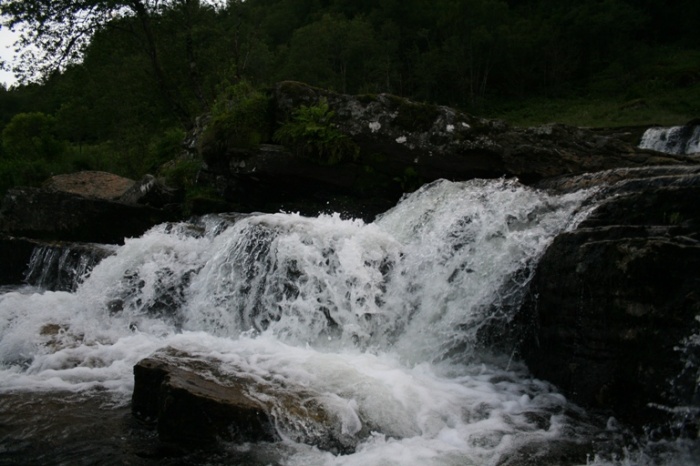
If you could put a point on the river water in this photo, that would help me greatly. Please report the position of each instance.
(382, 320)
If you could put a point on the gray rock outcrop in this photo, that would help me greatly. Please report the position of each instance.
(614, 304)
(401, 145)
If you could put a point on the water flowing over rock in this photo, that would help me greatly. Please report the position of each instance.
(152, 192)
(291, 339)
(615, 302)
(63, 266)
(673, 140)
(193, 401)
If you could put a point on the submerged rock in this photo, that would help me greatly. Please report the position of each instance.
(615, 304)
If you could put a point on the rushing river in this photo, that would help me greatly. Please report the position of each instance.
(381, 319)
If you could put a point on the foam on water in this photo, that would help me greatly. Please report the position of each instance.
(379, 319)
(672, 140)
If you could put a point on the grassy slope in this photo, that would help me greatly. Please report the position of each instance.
(665, 91)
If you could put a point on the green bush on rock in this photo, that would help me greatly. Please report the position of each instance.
(239, 120)
(311, 133)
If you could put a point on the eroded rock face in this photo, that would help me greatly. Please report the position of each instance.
(615, 303)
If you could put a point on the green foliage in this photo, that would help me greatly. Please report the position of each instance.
(181, 172)
(410, 180)
(32, 136)
(117, 84)
(334, 53)
(311, 133)
(240, 119)
(165, 147)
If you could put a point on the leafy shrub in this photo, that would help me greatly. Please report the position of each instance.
(181, 172)
(311, 133)
(32, 136)
(165, 147)
(239, 120)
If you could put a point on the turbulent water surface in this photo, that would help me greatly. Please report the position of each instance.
(382, 320)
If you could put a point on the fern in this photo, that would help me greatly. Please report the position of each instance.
(311, 133)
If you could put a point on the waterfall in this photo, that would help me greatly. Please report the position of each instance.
(673, 140)
(382, 320)
(63, 266)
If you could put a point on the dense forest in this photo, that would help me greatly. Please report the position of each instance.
(115, 85)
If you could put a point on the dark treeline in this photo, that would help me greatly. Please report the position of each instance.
(142, 80)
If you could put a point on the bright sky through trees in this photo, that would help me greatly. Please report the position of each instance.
(7, 39)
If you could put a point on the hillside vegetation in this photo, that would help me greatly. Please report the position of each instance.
(122, 82)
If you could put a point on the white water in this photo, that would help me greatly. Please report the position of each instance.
(380, 320)
(672, 140)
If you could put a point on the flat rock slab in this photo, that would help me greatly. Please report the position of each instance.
(97, 184)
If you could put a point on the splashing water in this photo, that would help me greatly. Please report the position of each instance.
(672, 140)
(381, 319)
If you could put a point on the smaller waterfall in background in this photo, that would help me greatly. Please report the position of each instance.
(62, 267)
(678, 140)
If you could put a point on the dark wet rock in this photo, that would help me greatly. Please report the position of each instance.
(193, 401)
(15, 254)
(190, 408)
(614, 304)
(548, 453)
(55, 215)
(153, 192)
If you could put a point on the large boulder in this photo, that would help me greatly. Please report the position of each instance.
(400, 145)
(193, 401)
(613, 314)
(442, 142)
(46, 214)
(96, 184)
(190, 408)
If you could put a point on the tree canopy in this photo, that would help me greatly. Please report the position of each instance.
(116, 76)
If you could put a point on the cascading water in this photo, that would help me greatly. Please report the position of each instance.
(673, 140)
(59, 267)
(382, 320)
